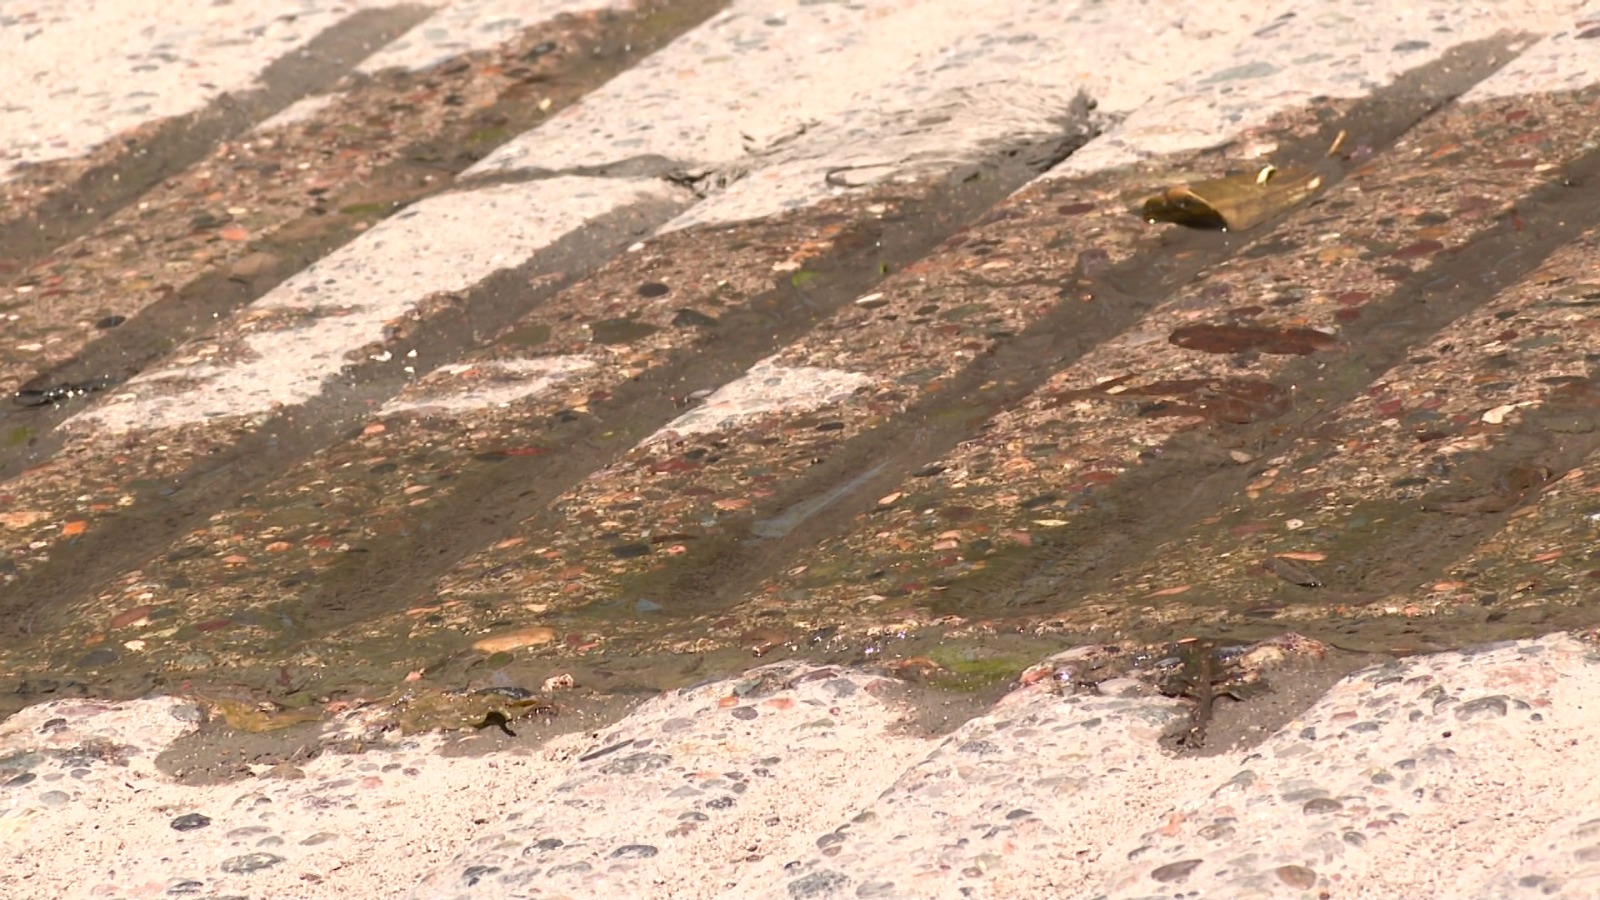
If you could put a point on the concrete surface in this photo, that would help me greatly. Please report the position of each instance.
(682, 449)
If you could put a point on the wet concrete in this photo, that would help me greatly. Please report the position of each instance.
(1068, 425)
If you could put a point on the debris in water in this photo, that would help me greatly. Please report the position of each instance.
(1233, 203)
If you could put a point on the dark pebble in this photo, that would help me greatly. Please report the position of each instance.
(21, 780)
(653, 289)
(250, 862)
(817, 884)
(546, 844)
(190, 821)
(99, 656)
(634, 851)
(630, 551)
(186, 887)
(473, 874)
(980, 748)
(1321, 805)
(1174, 872)
(744, 712)
(690, 318)
(110, 322)
(543, 48)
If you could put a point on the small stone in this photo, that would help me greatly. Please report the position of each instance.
(20, 780)
(1321, 805)
(190, 821)
(1483, 707)
(250, 862)
(653, 289)
(1175, 872)
(744, 712)
(473, 874)
(1297, 877)
(185, 887)
(321, 837)
(55, 798)
(634, 851)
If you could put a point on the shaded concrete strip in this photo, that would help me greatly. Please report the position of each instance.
(72, 209)
(189, 475)
(293, 201)
(935, 422)
(296, 338)
(1496, 259)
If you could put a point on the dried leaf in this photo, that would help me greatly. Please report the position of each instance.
(1234, 203)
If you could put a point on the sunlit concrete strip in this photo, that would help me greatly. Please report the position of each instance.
(1566, 61)
(483, 385)
(306, 326)
(77, 72)
(1335, 50)
(762, 73)
(469, 25)
(764, 388)
(1027, 72)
